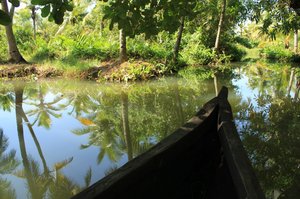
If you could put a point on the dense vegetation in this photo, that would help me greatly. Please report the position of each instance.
(162, 35)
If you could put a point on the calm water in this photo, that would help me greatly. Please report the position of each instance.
(58, 137)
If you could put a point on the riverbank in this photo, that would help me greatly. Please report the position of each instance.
(114, 71)
(106, 71)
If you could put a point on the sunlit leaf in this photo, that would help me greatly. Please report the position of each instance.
(86, 122)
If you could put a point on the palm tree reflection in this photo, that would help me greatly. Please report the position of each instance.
(46, 183)
(8, 163)
(44, 110)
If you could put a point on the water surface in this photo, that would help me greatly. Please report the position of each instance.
(58, 137)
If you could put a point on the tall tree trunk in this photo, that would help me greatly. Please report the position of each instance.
(14, 53)
(123, 48)
(125, 122)
(178, 41)
(296, 40)
(220, 26)
(33, 17)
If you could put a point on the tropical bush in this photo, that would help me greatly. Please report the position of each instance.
(278, 53)
(236, 53)
(246, 42)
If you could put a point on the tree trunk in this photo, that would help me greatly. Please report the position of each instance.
(123, 49)
(33, 17)
(178, 41)
(296, 40)
(125, 122)
(14, 53)
(220, 26)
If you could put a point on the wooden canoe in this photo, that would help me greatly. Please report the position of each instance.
(204, 158)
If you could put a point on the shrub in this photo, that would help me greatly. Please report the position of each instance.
(131, 71)
(198, 54)
(87, 47)
(197, 72)
(276, 53)
(139, 48)
(25, 40)
(235, 53)
(43, 51)
(246, 42)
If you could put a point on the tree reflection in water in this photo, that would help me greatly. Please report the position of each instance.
(50, 183)
(270, 132)
(8, 163)
(122, 122)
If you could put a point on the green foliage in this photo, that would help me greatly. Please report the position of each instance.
(138, 71)
(4, 18)
(246, 42)
(134, 17)
(278, 53)
(198, 54)
(3, 46)
(15, 3)
(234, 52)
(139, 48)
(275, 16)
(196, 72)
(25, 40)
(54, 10)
